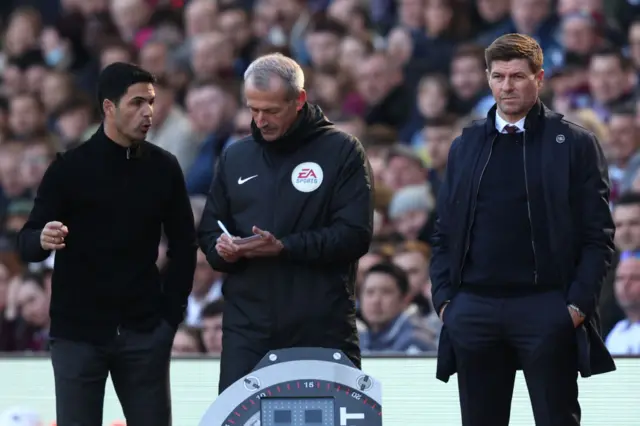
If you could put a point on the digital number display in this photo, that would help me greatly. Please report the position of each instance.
(297, 412)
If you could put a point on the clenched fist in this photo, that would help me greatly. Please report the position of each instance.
(53, 235)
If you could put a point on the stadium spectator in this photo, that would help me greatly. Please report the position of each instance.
(211, 318)
(187, 341)
(384, 296)
(610, 81)
(623, 147)
(32, 301)
(626, 216)
(171, 128)
(624, 339)
(413, 258)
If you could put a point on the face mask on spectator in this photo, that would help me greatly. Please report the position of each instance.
(54, 57)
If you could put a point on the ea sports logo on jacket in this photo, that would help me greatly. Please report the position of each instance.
(307, 177)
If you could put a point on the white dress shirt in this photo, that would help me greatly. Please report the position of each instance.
(501, 123)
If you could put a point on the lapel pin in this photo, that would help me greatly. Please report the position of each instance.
(560, 138)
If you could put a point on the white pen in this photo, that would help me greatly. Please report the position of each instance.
(224, 229)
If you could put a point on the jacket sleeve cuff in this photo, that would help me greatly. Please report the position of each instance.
(584, 302)
(441, 298)
(33, 251)
(173, 314)
(285, 253)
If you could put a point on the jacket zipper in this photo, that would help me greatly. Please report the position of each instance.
(526, 188)
(473, 210)
(126, 184)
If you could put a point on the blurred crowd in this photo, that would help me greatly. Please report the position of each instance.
(404, 76)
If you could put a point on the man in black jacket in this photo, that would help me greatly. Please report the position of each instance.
(522, 245)
(101, 207)
(304, 190)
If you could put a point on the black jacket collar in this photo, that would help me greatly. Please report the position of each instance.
(310, 122)
(112, 148)
(533, 119)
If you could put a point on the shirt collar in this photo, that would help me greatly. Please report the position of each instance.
(501, 122)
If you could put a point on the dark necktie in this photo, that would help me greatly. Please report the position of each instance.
(510, 129)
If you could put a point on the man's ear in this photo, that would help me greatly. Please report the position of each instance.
(540, 77)
(302, 98)
(109, 108)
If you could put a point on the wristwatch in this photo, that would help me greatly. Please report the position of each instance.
(577, 310)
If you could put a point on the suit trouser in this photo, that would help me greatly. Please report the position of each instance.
(492, 337)
(139, 367)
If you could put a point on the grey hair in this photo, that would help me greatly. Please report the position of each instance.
(265, 67)
(411, 198)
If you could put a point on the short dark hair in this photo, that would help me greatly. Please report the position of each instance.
(395, 272)
(625, 109)
(469, 50)
(403, 151)
(115, 43)
(30, 58)
(166, 16)
(379, 135)
(33, 277)
(78, 101)
(194, 333)
(115, 80)
(324, 24)
(212, 309)
(629, 198)
(446, 120)
(515, 46)
(162, 80)
(35, 98)
(614, 52)
(235, 6)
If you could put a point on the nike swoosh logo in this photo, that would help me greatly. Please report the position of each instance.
(241, 181)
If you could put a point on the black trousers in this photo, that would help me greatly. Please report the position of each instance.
(493, 337)
(244, 344)
(139, 367)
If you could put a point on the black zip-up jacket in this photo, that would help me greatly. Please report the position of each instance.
(115, 202)
(325, 226)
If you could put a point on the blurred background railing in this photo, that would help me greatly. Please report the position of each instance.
(411, 395)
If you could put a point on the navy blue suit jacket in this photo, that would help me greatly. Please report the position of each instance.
(574, 200)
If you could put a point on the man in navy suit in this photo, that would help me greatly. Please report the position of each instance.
(522, 245)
